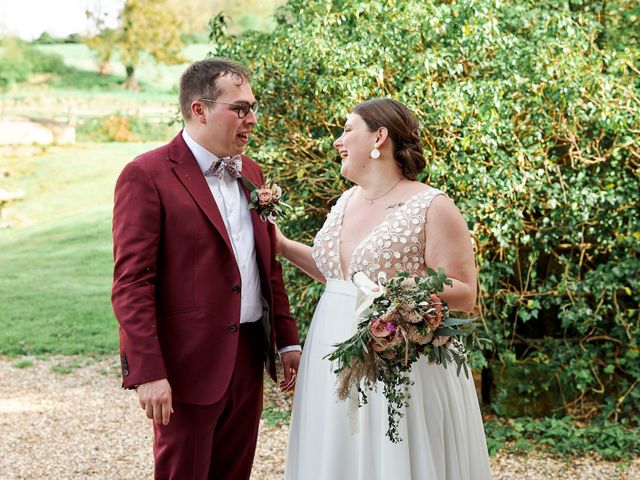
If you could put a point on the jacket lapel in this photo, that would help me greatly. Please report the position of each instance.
(260, 231)
(189, 174)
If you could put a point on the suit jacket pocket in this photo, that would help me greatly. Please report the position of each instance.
(266, 327)
(179, 312)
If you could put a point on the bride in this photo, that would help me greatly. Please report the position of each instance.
(387, 222)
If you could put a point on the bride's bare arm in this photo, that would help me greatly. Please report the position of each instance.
(299, 254)
(449, 246)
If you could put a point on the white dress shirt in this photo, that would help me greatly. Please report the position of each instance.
(234, 209)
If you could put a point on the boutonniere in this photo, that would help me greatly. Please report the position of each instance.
(266, 200)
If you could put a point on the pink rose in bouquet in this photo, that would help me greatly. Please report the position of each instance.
(381, 328)
(434, 314)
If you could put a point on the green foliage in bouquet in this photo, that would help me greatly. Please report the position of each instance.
(530, 116)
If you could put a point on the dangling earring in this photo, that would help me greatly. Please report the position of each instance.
(375, 153)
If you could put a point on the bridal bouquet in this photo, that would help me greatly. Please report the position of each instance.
(400, 320)
(266, 200)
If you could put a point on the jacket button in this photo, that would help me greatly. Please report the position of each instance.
(235, 289)
(232, 328)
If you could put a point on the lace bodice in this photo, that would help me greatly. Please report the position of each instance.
(395, 244)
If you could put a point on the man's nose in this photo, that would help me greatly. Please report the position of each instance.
(251, 118)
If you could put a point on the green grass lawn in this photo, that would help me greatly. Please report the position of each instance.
(56, 267)
(56, 262)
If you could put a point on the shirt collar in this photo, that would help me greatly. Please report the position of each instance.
(203, 156)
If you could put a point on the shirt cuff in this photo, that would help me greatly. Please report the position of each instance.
(290, 348)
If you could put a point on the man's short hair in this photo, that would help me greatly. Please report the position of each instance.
(199, 80)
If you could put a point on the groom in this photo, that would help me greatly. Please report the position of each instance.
(197, 291)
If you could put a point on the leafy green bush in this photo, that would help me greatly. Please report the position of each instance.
(19, 61)
(46, 38)
(88, 81)
(530, 119)
(42, 62)
(563, 435)
(122, 128)
(13, 71)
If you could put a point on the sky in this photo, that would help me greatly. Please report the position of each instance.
(27, 19)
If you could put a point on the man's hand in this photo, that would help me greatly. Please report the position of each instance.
(290, 362)
(155, 400)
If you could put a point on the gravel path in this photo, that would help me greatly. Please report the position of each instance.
(67, 418)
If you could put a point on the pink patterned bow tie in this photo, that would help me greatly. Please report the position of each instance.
(233, 166)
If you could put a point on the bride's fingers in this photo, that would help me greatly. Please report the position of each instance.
(287, 389)
(288, 374)
(286, 386)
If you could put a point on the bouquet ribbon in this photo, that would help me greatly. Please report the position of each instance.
(368, 291)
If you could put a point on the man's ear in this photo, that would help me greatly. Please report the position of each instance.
(198, 112)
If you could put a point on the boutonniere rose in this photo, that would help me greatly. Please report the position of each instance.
(266, 200)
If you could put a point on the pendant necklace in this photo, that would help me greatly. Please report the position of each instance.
(371, 200)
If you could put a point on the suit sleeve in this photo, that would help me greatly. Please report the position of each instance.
(136, 237)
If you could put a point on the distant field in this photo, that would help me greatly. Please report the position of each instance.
(86, 93)
(161, 77)
(56, 267)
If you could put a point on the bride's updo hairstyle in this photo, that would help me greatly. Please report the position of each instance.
(402, 126)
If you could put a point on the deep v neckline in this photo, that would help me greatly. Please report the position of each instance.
(371, 232)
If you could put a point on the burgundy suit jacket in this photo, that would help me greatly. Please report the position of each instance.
(176, 289)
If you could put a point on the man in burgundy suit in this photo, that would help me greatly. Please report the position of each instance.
(197, 290)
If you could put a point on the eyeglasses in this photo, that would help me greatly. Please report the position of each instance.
(241, 108)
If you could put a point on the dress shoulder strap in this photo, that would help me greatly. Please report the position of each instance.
(424, 198)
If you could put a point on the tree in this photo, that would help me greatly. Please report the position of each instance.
(194, 17)
(148, 26)
(145, 26)
(248, 14)
(46, 38)
(103, 45)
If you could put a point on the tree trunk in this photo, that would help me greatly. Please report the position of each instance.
(131, 83)
(105, 69)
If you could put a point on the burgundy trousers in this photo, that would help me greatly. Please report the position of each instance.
(217, 442)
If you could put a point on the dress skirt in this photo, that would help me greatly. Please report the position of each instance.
(441, 430)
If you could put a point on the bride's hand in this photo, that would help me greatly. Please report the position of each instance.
(280, 241)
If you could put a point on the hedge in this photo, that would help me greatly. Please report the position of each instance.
(530, 117)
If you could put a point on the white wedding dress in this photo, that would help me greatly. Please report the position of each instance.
(442, 431)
